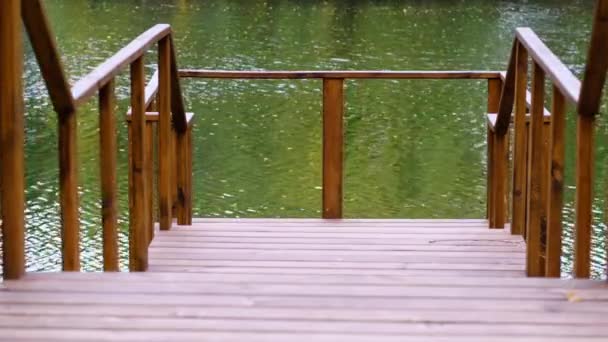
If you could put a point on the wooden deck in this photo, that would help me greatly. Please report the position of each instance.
(313, 280)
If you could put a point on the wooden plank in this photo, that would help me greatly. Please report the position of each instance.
(507, 96)
(151, 93)
(107, 167)
(43, 43)
(165, 129)
(12, 185)
(556, 71)
(351, 74)
(520, 144)
(177, 102)
(556, 190)
(184, 177)
(138, 244)
(536, 218)
(500, 159)
(333, 147)
(480, 222)
(89, 84)
(149, 171)
(594, 75)
(585, 127)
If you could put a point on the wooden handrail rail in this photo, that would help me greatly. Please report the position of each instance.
(358, 74)
(88, 86)
(553, 67)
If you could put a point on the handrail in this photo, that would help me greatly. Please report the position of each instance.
(557, 72)
(357, 74)
(88, 86)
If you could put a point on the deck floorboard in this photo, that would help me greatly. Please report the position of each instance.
(299, 280)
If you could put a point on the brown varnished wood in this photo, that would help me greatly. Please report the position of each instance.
(89, 84)
(519, 143)
(107, 158)
(353, 74)
(536, 219)
(184, 177)
(333, 146)
(12, 183)
(138, 244)
(165, 137)
(177, 101)
(594, 76)
(585, 127)
(499, 160)
(556, 189)
(507, 95)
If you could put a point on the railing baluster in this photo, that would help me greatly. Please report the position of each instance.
(184, 177)
(11, 134)
(333, 109)
(107, 150)
(138, 244)
(556, 188)
(520, 143)
(584, 195)
(164, 134)
(499, 159)
(536, 208)
(149, 151)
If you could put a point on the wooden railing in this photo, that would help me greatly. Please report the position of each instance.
(333, 112)
(538, 151)
(174, 174)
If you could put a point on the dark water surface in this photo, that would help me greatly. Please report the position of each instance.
(414, 149)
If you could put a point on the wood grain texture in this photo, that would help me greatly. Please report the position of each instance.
(554, 69)
(107, 159)
(184, 177)
(507, 95)
(536, 219)
(594, 75)
(333, 147)
(585, 131)
(352, 74)
(12, 183)
(138, 244)
(499, 162)
(358, 292)
(165, 136)
(556, 189)
(519, 190)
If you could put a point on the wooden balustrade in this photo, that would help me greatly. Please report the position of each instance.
(172, 121)
(538, 155)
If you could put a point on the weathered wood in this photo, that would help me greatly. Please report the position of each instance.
(499, 162)
(107, 159)
(333, 146)
(555, 70)
(507, 95)
(585, 127)
(363, 74)
(594, 76)
(536, 219)
(88, 85)
(184, 177)
(165, 152)
(138, 244)
(47, 55)
(12, 194)
(556, 189)
(520, 143)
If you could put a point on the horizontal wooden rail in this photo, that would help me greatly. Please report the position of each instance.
(86, 87)
(363, 74)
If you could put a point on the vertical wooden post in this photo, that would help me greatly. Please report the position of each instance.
(490, 174)
(499, 158)
(520, 143)
(184, 177)
(556, 188)
(164, 134)
(149, 151)
(536, 208)
(138, 244)
(11, 140)
(333, 145)
(107, 158)
(584, 195)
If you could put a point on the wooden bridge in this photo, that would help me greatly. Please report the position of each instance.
(326, 279)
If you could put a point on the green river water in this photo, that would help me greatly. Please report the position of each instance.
(414, 149)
